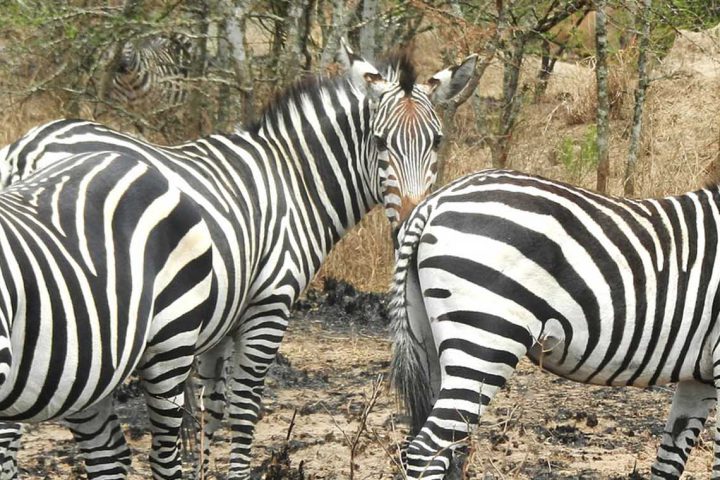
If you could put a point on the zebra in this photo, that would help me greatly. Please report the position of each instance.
(105, 268)
(601, 290)
(276, 198)
(153, 70)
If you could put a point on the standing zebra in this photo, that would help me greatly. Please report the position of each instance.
(153, 70)
(276, 198)
(601, 290)
(105, 268)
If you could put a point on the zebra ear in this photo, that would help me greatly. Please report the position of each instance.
(363, 75)
(446, 84)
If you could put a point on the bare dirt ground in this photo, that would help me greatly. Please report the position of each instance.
(539, 427)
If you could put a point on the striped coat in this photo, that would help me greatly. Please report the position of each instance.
(601, 290)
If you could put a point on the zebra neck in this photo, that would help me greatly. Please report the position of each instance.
(330, 160)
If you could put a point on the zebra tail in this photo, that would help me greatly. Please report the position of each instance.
(409, 369)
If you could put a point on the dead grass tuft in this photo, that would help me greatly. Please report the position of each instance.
(580, 102)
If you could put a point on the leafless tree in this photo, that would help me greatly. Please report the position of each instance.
(522, 25)
(235, 26)
(368, 31)
(342, 12)
(603, 102)
(643, 82)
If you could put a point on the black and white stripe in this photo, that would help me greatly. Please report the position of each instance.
(276, 198)
(600, 290)
(106, 269)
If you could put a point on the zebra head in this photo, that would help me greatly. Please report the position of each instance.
(405, 129)
(6, 168)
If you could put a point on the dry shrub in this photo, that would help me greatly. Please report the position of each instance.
(680, 141)
(580, 100)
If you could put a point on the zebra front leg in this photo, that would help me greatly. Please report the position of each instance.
(99, 437)
(213, 370)
(690, 407)
(256, 344)
(716, 379)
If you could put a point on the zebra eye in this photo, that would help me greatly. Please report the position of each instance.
(380, 143)
(436, 142)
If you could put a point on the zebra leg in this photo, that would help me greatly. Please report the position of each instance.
(256, 344)
(10, 434)
(165, 398)
(690, 407)
(716, 378)
(213, 368)
(473, 369)
(100, 439)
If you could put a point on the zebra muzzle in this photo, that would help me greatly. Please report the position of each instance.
(407, 205)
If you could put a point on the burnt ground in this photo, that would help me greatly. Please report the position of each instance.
(539, 427)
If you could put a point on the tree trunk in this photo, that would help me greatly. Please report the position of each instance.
(295, 58)
(643, 81)
(197, 70)
(235, 28)
(341, 14)
(603, 104)
(367, 32)
(549, 59)
(512, 100)
(451, 107)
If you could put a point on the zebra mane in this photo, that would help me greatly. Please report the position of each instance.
(398, 66)
(309, 86)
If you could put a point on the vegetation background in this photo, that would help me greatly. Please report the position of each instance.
(535, 107)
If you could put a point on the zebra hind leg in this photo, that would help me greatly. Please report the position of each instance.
(690, 407)
(165, 397)
(475, 367)
(99, 437)
(213, 369)
(10, 434)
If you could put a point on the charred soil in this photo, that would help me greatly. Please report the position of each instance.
(539, 427)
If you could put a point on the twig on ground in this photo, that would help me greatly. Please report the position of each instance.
(354, 442)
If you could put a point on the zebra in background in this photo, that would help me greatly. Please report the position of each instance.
(153, 70)
(276, 198)
(596, 289)
(105, 269)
